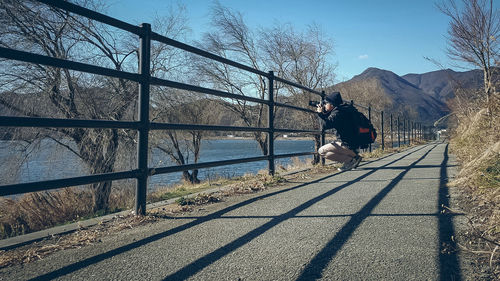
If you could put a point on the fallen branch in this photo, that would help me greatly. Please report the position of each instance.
(492, 255)
(478, 233)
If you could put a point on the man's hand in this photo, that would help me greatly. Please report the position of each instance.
(319, 108)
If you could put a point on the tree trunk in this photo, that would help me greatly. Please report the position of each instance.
(262, 141)
(192, 177)
(100, 195)
(488, 89)
(98, 150)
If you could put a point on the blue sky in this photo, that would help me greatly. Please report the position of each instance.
(387, 34)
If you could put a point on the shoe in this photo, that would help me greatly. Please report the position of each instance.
(351, 164)
(358, 160)
(347, 166)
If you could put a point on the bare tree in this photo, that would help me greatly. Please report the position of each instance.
(301, 58)
(58, 34)
(233, 39)
(176, 106)
(183, 146)
(473, 37)
(62, 93)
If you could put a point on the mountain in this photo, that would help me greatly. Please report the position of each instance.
(411, 95)
(441, 84)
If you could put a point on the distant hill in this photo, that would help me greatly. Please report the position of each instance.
(442, 83)
(411, 95)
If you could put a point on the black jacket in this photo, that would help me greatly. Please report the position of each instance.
(340, 119)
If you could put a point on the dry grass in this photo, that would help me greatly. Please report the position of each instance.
(298, 164)
(184, 189)
(245, 185)
(41, 210)
(35, 211)
(476, 142)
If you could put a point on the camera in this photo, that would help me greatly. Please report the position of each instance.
(316, 103)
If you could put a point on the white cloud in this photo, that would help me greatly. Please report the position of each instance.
(363, 57)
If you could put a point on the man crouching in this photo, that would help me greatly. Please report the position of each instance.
(334, 114)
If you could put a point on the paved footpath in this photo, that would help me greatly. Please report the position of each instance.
(381, 221)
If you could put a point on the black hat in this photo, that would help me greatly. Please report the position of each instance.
(334, 98)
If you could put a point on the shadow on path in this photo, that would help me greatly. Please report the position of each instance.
(208, 259)
(196, 266)
(449, 265)
(316, 266)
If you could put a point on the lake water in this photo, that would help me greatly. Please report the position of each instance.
(51, 161)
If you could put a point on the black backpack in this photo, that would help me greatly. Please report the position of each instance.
(365, 133)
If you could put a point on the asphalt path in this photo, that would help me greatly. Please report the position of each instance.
(381, 221)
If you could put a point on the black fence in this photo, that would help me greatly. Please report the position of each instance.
(402, 131)
(408, 130)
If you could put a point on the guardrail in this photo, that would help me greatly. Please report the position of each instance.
(409, 130)
(144, 125)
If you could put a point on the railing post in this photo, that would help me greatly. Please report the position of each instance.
(412, 138)
(370, 118)
(270, 125)
(143, 116)
(412, 126)
(409, 132)
(323, 142)
(404, 131)
(392, 134)
(399, 133)
(323, 135)
(408, 126)
(382, 125)
(415, 132)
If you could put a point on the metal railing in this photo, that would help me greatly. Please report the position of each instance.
(409, 130)
(143, 126)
